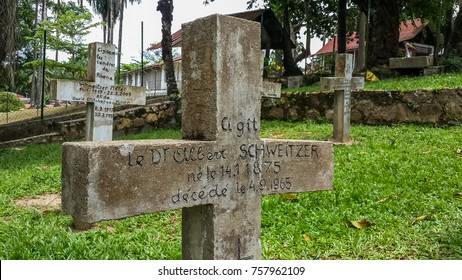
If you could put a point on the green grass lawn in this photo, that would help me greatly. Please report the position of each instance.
(448, 80)
(402, 183)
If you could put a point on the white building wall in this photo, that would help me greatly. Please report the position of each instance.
(154, 79)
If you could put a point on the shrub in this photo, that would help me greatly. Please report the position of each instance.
(452, 64)
(9, 102)
(315, 77)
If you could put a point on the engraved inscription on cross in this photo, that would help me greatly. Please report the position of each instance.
(100, 93)
(220, 170)
(343, 83)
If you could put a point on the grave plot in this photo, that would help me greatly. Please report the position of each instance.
(100, 93)
(219, 172)
(343, 83)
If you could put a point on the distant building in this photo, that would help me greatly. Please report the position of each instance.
(154, 75)
(411, 31)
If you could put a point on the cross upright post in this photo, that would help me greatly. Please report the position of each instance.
(342, 84)
(99, 92)
(220, 170)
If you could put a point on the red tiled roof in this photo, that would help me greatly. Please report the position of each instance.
(352, 44)
(271, 24)
(176, 41)
(176, 37)
(407, 31)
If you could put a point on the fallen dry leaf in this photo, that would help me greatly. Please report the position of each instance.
(280, 135)
(458, 194)
(291, 197)
(360, 224)
(389, 197)
(306, 237)
(420, 218)
(384, 199)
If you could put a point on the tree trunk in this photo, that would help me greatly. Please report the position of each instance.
(307, 51)
(8, 38)
(166, 9)
(104, 33)
(341, 34)
(33, 86)
(110, 23)
(361, 57)
(454, 46)
(384, 35)
(58, 2)
(40, 74)
(119, 47)
(39, 54)
(291, 68)
(383, 38)
(308, 28)
(446, 27)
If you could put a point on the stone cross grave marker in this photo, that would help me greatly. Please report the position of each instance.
(343, 83)
(100, 93)
(220, 170)
(271, 90)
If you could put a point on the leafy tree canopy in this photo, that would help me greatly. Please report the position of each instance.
(65, 34)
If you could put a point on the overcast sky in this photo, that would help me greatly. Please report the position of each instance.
(184, 11)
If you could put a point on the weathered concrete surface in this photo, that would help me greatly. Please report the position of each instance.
(130, 121)
(118, 179)
(114, 180)
(219, 182)
(100, 93)
(411, 62)
(433, 107)
(271, 89)
(221, 70)
(342, 83)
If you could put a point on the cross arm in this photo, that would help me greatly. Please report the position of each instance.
(304, 166)
(341, 83)
(118, 179)
(114, 180)
(85, 91)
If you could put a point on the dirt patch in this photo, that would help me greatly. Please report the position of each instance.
(43, 203)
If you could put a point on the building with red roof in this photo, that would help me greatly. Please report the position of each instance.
(154, 77)
(409, 31)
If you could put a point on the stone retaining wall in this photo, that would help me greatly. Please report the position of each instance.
(35, 127)
(434, 107)
(129, 121)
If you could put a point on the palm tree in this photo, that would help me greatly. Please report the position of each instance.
(109, 11)
(166, 9)
(119, 44)
(37, 77)
(455, 37)
(8, 37)
(123, 5)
